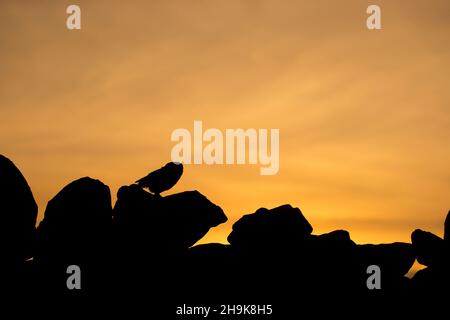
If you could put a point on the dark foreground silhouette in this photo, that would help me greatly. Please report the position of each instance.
(141, 254)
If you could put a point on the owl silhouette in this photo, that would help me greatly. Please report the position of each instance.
(162, 179)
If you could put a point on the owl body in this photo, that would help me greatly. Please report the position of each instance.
(162, 179)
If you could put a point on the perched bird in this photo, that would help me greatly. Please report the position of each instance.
(162, 179)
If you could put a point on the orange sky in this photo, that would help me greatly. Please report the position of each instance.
(363, 115)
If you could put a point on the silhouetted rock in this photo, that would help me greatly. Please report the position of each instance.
(169, 223)
(205, 263)
(433, 252)
(328, 249)
(337, 237)
(153, 235)
(447, 227)
(270, 253)
(394, 260)
(148, 242)
(430, 249)
(320, 254)
(162, 179)
(18, 214)
(77, 222)
(432, 281)
(281, 226)
(331, 248)
(210, 252)
(192, 215)
(133, 209)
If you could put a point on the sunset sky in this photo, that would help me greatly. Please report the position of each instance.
(364, 116)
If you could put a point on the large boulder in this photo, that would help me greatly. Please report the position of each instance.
(394, 260)
(165, 224)
(18, 212)
(336, 239)
(434, 252)
(207, 263)
(327, 261)
(77, 222)
(269, 251)
(194, 215)
(282, 226)
(133, 208)
(430, 249)
(335, 247)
